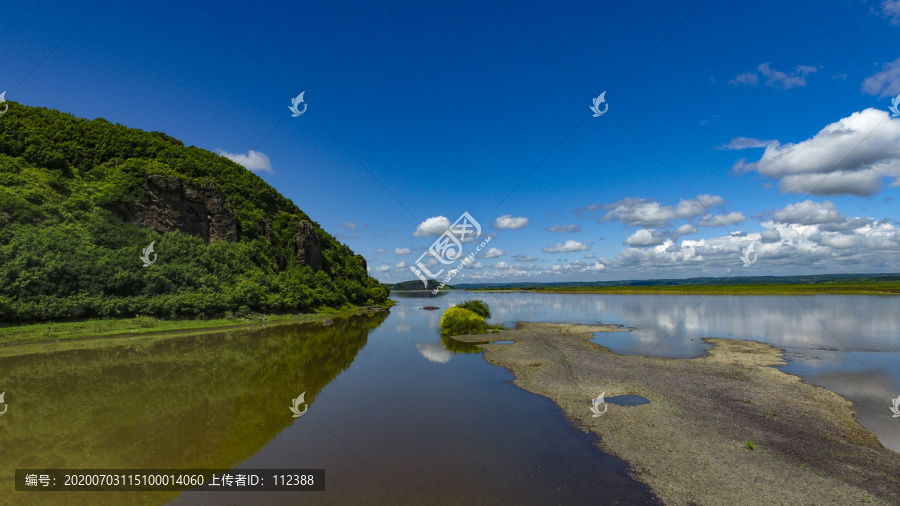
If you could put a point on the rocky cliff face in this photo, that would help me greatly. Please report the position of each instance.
(307, 247)
(198, 209)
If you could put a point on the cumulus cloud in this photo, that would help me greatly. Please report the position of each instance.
(775, 78)
(501, 265)
(402, 251)
(722, 219)
(383, 268)
(508, 221)
(253, 160)
(349, 225)
(559, 229)
(568, 247)
(435, 225)
(401, 265)
(646, 237)
(887, 82)
(493, 253)
(806, 235)
(525, 258)
(744, 143)
(380, 250)
(685, 229)
(850, 157)
(808, 213)
(648, 213)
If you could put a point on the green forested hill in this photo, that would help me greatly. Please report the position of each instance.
(80, 200)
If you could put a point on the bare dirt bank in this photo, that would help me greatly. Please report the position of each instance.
(690, 443)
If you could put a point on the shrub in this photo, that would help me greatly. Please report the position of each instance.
(458, 320)
(476, 306)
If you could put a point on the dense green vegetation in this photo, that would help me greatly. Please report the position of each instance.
(476, 306)
(457, 321)
(67, 253)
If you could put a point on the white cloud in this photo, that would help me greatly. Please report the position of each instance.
(559, 229)
(253, 160)
(850, 156)
(383, 268)
(808, 213)
(646, 237)
(775, 78)
(887, 82)
(402, 251)
(647, 213)
(525, 258)
(722, 219)
(508, 221)
(501, 265)
(436, 225)
(568, 247)
(380, 250)
(493, 253)
(744, 143)
(401, 265)
(685, 229)
(891, 10)
(349, 225)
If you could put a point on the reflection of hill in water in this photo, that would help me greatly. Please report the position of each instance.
(207, 401)
(418, 294)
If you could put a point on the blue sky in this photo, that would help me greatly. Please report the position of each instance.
(418, 112)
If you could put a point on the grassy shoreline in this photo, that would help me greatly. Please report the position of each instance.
(151, 326)
(875, 288)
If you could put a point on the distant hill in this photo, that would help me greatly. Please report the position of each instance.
(741, 280)
(81, 201)
(417, 285)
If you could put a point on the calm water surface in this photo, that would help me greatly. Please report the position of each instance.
(396, 415)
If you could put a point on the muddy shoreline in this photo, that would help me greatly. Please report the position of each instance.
(690, 443)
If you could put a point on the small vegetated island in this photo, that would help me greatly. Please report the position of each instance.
(469, 317)
(82, 200)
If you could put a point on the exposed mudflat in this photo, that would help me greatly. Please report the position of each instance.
(690, 443)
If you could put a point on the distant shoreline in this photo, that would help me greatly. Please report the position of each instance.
(875, 288)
